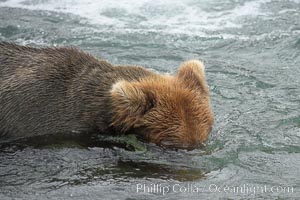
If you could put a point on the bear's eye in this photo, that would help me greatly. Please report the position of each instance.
(150, 104)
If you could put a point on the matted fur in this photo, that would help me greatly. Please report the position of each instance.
(173, 111)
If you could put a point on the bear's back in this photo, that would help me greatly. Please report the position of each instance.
(47, 61)
(35, 88)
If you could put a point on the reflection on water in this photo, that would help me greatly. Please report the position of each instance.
(251, 52)
(125, 169)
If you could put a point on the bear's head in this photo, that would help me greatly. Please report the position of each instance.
(171, 111)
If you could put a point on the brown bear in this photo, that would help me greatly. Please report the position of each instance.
(57, 90)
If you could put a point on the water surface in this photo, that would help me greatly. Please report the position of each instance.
(251, 51)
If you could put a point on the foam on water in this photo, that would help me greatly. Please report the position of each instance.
(188, 17)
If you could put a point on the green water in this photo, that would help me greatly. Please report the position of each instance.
(251, 50)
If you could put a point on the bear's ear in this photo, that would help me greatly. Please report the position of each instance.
(129, 103)
(192, 73)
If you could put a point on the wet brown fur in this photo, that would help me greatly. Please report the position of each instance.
(53, 90)
(174, 111)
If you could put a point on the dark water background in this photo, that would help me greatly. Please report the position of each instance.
(251, 51)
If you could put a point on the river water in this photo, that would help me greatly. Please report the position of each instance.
(251, 50)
